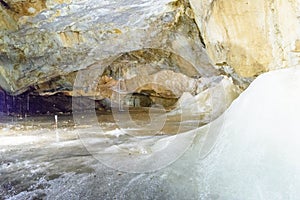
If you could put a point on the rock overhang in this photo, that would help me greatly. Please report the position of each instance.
(69, 36)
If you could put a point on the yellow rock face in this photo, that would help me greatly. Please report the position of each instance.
(12, 12)
(26, 8)
(250, 36)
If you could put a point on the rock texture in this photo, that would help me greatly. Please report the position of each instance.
(208, 104)
(44, 43)
(250, 36)
(164, 88)
(47, 40)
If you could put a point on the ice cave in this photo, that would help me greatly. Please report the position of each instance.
(156, 99)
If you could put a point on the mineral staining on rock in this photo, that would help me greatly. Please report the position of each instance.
(166, 87)
(62, 37)
(14, 10)
(251, 36)
(49, 40)
(208, 97)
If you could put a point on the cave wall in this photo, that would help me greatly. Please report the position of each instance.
(253, 36)
(61, 37)
(48, 40)
(43, 44)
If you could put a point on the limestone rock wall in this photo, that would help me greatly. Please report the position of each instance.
(48, 40)
(251, 36)
(44, 40)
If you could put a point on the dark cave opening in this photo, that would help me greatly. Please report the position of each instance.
(31, 103)
(34, 104)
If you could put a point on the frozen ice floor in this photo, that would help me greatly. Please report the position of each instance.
(250, 152)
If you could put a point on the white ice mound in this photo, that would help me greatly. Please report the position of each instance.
(257, 154)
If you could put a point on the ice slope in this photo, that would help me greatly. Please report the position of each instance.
(257, 152)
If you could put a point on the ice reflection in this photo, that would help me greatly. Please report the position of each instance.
(43, 157)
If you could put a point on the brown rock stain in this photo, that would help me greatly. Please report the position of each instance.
(70, 38)
(11, 11)
(117, 31)
(27, 8)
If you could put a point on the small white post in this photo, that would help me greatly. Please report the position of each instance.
(55, 118)
(56, 131)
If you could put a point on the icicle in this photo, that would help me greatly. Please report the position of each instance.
(21, 107)
(119, 92)
(28, 103)
(27, 106)
(5, 103)
(13, 104)
(7, 109)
